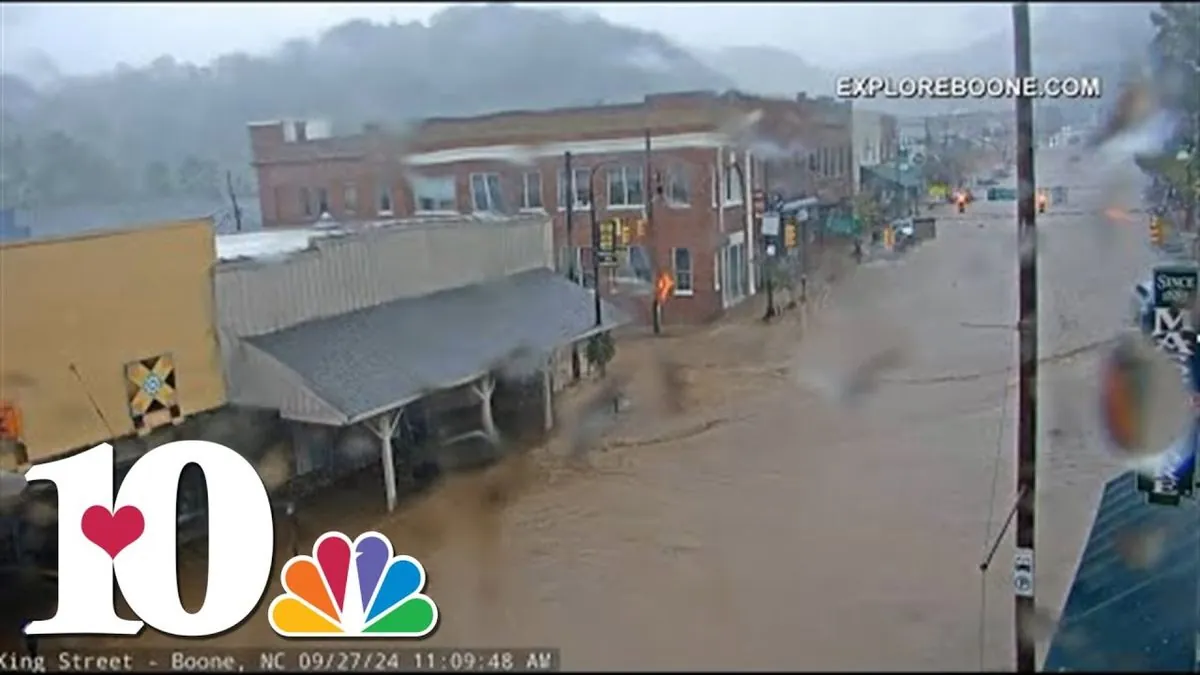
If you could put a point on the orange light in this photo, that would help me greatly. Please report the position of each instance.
(664, 286)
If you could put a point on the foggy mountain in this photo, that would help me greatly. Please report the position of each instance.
(768, 70)
(174, 128)
(1115, 35)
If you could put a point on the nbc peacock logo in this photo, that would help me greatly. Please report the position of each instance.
(353, 589)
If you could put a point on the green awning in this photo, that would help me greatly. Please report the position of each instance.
(904, 175)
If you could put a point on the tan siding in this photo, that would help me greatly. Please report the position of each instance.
(89, 305)
(367, 269)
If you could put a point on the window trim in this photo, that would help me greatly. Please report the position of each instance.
(417, 210)
(681, 171)
(525, 193)
(678, 290)
(385, 191)
(487, 188)
(731, 181)
(573, 189)
(350, 206)
(306, 203)
(624, 171)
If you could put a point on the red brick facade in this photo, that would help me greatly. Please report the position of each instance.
(797, 144)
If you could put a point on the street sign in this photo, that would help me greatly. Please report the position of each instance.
(607, 253)
(1023, 572)
(770, 225)
(998, 194)
(1174, 289)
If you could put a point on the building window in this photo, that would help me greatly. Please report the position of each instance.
(812, 163)
(306, 206)
(531, 191)
(322, 201)
(565, 254)
(584, 258)
(433, 194)
(679, 186)
(733, 184)
(385, 200)
(625, 187)
(637, 262)
(681, 265)
(580, 188)
(485, 192)
(350, 198)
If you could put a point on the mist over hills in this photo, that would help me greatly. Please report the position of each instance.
(174, 128)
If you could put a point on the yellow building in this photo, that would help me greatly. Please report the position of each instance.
(107, 334)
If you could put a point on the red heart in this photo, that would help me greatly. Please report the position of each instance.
(113, 531)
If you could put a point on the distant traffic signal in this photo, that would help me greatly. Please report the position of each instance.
(889, 238)
(1156, 231)
(1042, 200)
(789, 235)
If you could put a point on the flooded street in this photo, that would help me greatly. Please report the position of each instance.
(770, 526)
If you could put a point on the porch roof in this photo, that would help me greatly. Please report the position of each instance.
(1124, 613)
(370, 361)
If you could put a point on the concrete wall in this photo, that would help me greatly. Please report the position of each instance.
(77, 310)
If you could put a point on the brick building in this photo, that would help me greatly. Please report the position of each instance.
(706, 150)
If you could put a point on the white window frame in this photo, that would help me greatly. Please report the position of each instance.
(526, 192)
(579, 188)
(678, 175)
(440, 203)
(624, 173)
(731, 183)
(495, 198)
(691, 272)
(384, 192)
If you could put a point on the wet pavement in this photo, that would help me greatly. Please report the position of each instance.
(774, 520)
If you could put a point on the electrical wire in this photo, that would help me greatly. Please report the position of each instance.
(987, 533)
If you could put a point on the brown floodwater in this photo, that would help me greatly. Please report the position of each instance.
(771, 522)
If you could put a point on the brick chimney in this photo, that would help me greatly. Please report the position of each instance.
(265, 137)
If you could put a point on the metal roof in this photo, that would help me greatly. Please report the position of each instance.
(372, 360)
(1131, 608)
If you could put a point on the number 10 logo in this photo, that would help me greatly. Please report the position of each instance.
(133, 538)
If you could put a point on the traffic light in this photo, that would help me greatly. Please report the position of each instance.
(1156, 231)
(641, 228)
(889, 238)
(789, 235)
(626, 234)
(1041, 202)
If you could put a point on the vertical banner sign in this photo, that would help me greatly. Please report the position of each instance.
(608, 241)
(1174, 296)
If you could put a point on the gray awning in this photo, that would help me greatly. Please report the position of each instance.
(1132, 604)
(369, 361)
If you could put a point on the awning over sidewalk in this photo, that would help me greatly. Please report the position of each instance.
(904, 175)
(363, 363)
(1132, 606)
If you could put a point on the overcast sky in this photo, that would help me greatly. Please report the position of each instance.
(85, 38)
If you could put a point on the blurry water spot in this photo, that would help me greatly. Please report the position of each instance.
(1143, 403)
(1141, 548)
(275, 467)
(1042, 627)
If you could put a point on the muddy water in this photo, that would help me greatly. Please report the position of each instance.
(771, 526)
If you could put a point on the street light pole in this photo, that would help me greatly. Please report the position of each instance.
(1027, 292)
(595, 240)
(649, 192)
(572, 273)
(747, 203)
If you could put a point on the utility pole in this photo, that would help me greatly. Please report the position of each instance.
(1027, 294)
(595, 243)
(769, 249)
(653, 190)
(569, 178)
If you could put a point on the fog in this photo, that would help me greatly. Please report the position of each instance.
(85, 38)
